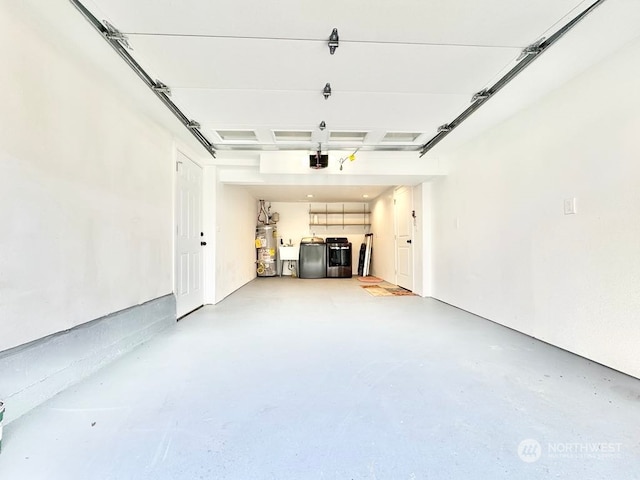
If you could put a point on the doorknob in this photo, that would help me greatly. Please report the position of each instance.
(203, 243)
(408, 241)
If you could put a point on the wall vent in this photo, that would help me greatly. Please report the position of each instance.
(347, 136)
(237, 135)
(401, 137)
(291, 136)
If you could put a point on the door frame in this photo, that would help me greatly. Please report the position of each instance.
(177, 153)
(409, 191)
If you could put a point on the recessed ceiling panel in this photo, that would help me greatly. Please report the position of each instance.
(237, 135)
(347, 136)
(292, 136)
(392, 137)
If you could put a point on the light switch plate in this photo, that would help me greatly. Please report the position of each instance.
(570, 206)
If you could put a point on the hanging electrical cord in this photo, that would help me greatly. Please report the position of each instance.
(351, 158)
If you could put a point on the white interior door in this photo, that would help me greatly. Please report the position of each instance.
(403, 202)
(188, 267)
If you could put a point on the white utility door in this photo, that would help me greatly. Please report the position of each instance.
(188, 267)
(403, 205)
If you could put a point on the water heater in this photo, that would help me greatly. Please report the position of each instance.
(266, 248)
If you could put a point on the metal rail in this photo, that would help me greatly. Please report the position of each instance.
(119, 43)
(528, 55)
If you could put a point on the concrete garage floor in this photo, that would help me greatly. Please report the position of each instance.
(316, 379)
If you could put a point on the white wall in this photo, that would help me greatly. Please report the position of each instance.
(383, 263)
(85, 190)
(419, 241)
(294, 220)
(210, 188)
(236, 213)
(294, 224)
(503, 248)
(424, 262)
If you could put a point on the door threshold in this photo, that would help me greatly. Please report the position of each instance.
(189, 313)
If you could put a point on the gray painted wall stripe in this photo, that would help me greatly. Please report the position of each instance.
(35, 372)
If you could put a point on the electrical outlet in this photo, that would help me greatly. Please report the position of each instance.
(570, 206)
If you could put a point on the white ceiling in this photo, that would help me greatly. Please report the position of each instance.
(321, 194)
(406, 65)
(401, 66)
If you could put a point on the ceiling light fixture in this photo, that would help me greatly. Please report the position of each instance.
(193, 125)
(310, 195)
(327, 91)
(334, 41)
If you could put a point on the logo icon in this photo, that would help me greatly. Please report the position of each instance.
(529, 450)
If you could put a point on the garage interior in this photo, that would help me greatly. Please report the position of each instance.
(506, 130)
